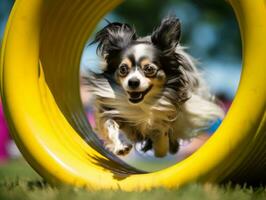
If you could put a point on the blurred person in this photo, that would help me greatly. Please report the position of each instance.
(4, 136)
(8, 148)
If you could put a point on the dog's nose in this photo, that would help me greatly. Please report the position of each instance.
(133, 83)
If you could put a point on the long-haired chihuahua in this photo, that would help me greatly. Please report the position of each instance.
(149, 90)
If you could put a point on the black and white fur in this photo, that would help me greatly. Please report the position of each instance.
(150, 90)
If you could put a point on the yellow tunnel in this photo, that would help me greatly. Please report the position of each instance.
(40, 60)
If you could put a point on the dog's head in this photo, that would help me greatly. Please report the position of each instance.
(141, 66)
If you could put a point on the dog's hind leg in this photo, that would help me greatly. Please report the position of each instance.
(147, 145)
(116, 145)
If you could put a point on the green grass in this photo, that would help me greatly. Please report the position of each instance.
(19, 182)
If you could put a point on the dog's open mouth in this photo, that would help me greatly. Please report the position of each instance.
(136, 97)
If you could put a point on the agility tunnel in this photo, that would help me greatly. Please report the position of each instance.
(40, 60)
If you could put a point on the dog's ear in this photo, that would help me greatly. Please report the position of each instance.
(167, 36)
(114, 37)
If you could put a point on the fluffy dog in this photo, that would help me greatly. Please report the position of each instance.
(149, 90)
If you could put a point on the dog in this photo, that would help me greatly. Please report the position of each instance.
(149, 91)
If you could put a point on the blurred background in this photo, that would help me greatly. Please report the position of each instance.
(211, 35)
(209, 31)
(8, 149)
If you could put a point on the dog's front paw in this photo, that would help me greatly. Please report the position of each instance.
(124, 150)
(120, 150)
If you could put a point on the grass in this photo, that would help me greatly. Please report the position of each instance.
(19, 182)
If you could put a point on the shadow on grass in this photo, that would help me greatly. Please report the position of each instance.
(19, 182)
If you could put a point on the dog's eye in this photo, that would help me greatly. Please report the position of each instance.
(149, 70)
(123, 70)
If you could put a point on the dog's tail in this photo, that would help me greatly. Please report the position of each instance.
(199, 113)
